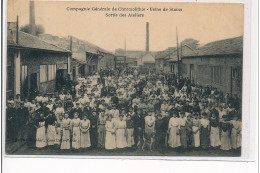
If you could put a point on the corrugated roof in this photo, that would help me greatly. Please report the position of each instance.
(29, 41)
(220, 47)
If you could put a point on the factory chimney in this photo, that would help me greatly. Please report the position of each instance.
(147, 37)
(32, 18)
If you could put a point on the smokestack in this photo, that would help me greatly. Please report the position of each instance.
(32, 18)
(147, 37)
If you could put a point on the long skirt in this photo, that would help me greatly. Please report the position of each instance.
(234, 138)
(51, 134)
(130, 137)
(148, 136)
(239, 140)
(57, 136)
(196, 136)
(41, 137)
(76, 138)
(85, 139)
(183, 136)
(110, 142)
(174, 139)
(120, 138)
(65, 141)
(225, 141)
(204, 137)
(214, 137)
(101, 136)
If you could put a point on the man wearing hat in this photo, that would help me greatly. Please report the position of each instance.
(161, 127)
(10, 121)
(138, 120)
(93, 129)
(22, 115)
(87, 110)
(78, 110)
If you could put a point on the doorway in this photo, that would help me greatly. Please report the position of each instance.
(33, 85)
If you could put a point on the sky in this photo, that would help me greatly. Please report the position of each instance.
(205, 22)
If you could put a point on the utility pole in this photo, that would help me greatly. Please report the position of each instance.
(70, 57)
(125, 54)
(178, 57)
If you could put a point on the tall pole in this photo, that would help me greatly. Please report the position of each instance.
(125, 54)
(17, 64)
(70, 56)
(178, 51)
(17, 30)
(32, 18)
(147, 37)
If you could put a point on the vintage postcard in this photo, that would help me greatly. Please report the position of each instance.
(124, 78)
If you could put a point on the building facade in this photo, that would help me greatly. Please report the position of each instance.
(106, 61)
(33, 65)
(218, 64)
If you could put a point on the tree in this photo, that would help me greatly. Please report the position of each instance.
(192, 43)
(39, 29)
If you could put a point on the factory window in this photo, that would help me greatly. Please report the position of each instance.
(216, 73)
(235, 73)
(47, 73)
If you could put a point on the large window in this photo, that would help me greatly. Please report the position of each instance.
(216, 74)
(47, 73)
(235, 73)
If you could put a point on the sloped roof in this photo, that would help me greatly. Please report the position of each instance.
(78, 46)
(185, 50)
(148, 58)
(166, 53)
(26, 40)
(220, 47)
(76, 61)
(133, 53)
(130, 53)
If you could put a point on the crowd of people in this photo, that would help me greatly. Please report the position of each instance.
(128, 110)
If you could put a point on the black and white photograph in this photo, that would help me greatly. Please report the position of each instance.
(124, 78)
